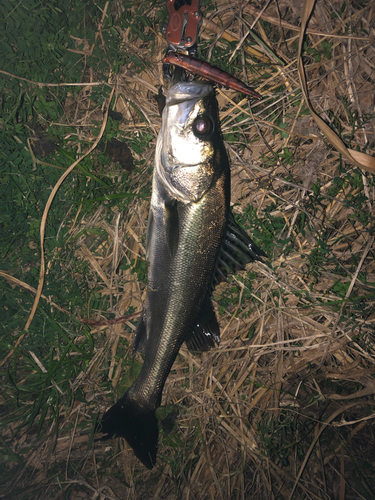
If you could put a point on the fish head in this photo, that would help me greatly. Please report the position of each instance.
(190, 149)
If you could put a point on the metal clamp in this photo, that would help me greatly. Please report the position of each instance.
(185, 20)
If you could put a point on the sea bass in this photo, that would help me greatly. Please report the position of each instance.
(192, 243)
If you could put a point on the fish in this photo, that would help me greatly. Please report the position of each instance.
(192, 243)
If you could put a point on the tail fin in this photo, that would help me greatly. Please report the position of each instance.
(139, 426)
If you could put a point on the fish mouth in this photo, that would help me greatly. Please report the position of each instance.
(187, 91)
(173, 167)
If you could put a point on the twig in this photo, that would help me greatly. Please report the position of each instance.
(41, 84)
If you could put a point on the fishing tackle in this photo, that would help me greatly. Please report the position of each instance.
(185, 20)
(209, 72)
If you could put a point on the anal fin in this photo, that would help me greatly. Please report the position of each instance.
(205, 333)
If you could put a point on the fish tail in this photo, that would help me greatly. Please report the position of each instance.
(136, 424)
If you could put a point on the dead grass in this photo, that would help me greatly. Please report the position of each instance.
(289, 409)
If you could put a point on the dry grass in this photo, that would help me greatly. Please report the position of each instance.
(288, 396)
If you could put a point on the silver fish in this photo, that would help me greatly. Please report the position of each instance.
(192, 243)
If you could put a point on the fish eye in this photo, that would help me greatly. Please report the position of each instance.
(202, 126)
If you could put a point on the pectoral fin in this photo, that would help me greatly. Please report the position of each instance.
(171, 226)
(149, 233)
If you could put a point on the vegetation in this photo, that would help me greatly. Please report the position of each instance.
(284, 407)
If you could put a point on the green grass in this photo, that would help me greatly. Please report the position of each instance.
(37, 390)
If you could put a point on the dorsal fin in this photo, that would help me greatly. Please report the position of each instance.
(237, 249)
